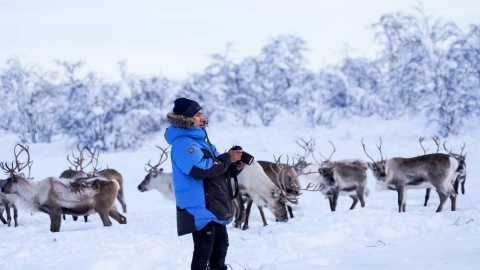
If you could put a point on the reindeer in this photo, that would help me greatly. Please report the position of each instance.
(288, 180)
(342, 177)
(461, 170)
(432, 171)
(6, 202)
(108, 173)
(56, 196)
(157, 179)
(257, 186)
(312, 170)
(78, 172)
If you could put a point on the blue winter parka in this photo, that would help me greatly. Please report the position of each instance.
(200, 176)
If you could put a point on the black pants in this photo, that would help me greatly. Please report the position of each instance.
(210, 246)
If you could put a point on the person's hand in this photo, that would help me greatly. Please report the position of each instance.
(240, 166)
(235, 155)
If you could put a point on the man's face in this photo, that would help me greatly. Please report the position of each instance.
(199, 120)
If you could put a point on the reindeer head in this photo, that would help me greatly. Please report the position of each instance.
(378, 167)
(14, 171)
(279, 209)
(459, 157)
(153, 171)
(328, 181)
(284, 173)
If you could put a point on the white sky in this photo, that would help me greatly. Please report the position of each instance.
(175, 38)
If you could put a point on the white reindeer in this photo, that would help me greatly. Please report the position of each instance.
(157, 179)
(255, 185)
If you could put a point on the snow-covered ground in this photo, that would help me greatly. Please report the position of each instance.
(374, 237)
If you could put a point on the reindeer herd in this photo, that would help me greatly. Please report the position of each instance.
(274, 185)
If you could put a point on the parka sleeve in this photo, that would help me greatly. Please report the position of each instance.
(190, 159)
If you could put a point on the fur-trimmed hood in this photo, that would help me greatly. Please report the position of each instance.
(182, 126)
(181, 121)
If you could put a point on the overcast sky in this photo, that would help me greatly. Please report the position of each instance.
(175, 38)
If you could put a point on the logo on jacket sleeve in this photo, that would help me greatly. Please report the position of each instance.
(191, 150)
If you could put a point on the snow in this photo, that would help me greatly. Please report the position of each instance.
(374, 237)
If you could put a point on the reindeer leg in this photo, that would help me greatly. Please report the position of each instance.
(1, 217)
(355, 201)
(15, 215)
(361, 196)
(113, 212)
(64, 217)
(9, 217)
(247, 214)
(260, 208)
(290, 211)
(463, 185)
(453, 199)
(51, 222)
(121, 199)
(104, 217)
(85, 218)
(239, 211)
(443, 198)
(456, 184)
(401, 199)
(248, 209)
(427, 196)
(334, 201)
(55, 220)
(75, 218)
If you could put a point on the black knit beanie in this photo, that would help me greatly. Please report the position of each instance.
(186, 107)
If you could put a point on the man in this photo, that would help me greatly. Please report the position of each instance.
(200, 173)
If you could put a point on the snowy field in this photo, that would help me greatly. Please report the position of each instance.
(374, 237)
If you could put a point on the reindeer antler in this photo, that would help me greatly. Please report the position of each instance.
(380, 149)
(93, 157)
(365, 150)
(421, 140)
(19, 166)
(280, 175)
(308, 147)
(78, 162)
(163, 158)
(449, 151)
(436, 139)
(463, 147)
(312, 187)
(334, 150)
(444, 147)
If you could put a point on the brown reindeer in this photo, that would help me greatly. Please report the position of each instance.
(157, 179)
(108, 173)
(432, 171)
(56, 196)
(6, 203)
(342, 177)
(461, 170)
(78, 172)
(287, 180)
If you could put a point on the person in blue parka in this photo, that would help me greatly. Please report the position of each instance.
(200, 174)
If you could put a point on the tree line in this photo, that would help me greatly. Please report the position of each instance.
(426, 68)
